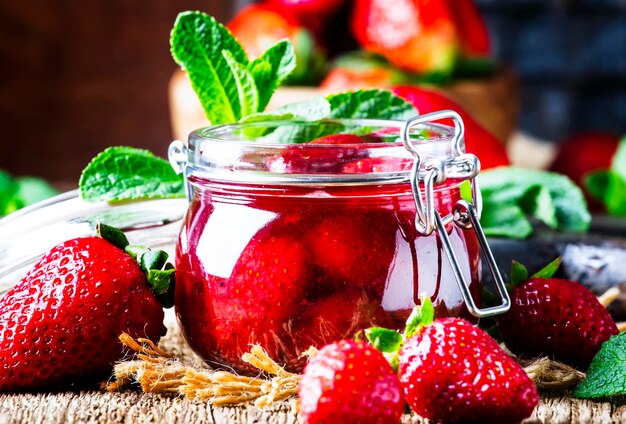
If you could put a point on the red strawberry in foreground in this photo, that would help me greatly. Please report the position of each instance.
(350, 382)
(452, 371)
(61, 322)
(557, 318)
(478, 140)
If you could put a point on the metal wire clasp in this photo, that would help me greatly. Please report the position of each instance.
(464, 214)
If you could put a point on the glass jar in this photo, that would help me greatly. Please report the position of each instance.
(288, 244)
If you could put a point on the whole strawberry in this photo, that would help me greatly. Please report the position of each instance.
(250, 303)
(452, 371)
(350, 382)
(61, 322)
(557, 318)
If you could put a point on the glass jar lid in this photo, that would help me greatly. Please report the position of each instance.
(301, 152)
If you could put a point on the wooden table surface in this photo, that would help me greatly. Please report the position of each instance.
(93, 406)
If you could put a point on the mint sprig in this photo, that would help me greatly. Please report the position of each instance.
(606, 376)
(227, 84)
(16, 193)
(511, 195)
(125, 173)
(609, 186)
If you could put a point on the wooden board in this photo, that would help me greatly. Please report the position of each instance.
(92, 406)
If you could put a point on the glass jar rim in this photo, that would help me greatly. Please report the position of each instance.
(240, 152)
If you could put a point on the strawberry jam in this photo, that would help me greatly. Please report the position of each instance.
(313, 254)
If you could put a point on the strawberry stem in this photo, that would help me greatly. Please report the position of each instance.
(519, 273)
(421, 316)
(160, 274)
(549, 270)
(111, 234)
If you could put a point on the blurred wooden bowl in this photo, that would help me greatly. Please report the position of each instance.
(494, 102)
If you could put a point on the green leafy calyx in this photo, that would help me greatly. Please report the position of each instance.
(421, 316)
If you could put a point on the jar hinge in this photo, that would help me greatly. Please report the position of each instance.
(177, 154)
(464, 214)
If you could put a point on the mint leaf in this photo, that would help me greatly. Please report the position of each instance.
(197, 42)
(125, 173)
(519, 273)
(501, 220)
(597, 183)
(379, 104)
(9, 200)
(511, 193)
(606, 375)
(618, 164)
(32, 190)
(549, 270)
(270, 69)
(246, 88)
(615, 196)
(383, 339)
(609, 186)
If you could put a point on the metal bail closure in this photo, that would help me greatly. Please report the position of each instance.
(465, 216)
(177, 153)
(435, 170)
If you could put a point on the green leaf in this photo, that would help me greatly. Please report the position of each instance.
(421, 316)
(9, 199)
(111, 234)
(549, 270)
(537, 202)
(32, 190)
(597, 184)
(606, 376)
(615, 196)
(126, 173)
(501, 220)
(197, 42)
(379, 104)
(162, 283)
(519, 273)
(309, 110)
(270, 69)
(509, 193)
(153, 260)
(618, 164)
(246, 89)
(383, 339)
(310, 60)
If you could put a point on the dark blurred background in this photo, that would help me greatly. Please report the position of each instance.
(76, 77)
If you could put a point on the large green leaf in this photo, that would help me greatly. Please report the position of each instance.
(197, 42)
(124, 173)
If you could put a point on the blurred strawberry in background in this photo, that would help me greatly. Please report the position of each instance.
(472, 31)
(305, 9)
(259, 26)
(416, 35)
(478, 140)
(581, 154)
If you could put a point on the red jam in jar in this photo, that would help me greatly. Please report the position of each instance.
(289, 244)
